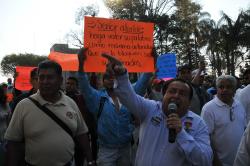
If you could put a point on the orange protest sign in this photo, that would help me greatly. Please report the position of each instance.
(129, 41)
(69, 62)
(22, 80)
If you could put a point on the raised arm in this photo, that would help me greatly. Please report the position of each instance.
(125, 92)
(140, 86)
(196, 79)
(90, 94)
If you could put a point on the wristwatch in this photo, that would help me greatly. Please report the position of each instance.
(91, 163)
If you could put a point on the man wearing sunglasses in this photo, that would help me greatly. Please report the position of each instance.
(226, 121)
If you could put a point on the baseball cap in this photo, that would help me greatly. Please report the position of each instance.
(156, 81)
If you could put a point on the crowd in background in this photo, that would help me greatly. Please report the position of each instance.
(222, 102)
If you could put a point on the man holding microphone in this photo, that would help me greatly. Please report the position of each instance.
(170, 133)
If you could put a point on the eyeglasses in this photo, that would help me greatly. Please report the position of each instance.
(231, 114)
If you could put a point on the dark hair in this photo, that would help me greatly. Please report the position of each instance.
(48, 64)
(4, 85)
(33, 73)
(184, 67)
(167, 83)
(74, 79)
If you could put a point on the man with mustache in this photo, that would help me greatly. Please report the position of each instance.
(226, 120)
(191, 145)
(46, 142)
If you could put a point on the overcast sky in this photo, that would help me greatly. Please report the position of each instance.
(33, 26)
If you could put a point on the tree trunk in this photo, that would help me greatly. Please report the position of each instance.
(218, 64)
(232, 67)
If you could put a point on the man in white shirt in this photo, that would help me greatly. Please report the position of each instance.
(46, 142)
(244, 97)
(226, 121)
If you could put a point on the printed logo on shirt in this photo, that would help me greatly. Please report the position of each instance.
(70, 115)
(156, 120)
(188, 123)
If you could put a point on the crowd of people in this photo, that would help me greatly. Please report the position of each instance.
(188, 120)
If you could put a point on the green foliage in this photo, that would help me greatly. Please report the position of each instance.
(148, 11)
(235, 39)
(182, 28)
(9, 62)
(175, 21)
(91, 10)
(187, 42)
(75, 37)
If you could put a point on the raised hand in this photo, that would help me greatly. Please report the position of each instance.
(81, 58)
(114, 66)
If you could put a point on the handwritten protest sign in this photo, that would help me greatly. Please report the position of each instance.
(22, 81)
(69, 62)
(166, 66)
(129, 41)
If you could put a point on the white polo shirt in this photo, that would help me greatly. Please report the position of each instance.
(46, 143)
(225, 133)
(243, 155)
(244, 97)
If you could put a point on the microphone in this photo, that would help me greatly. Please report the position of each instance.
(172, 107)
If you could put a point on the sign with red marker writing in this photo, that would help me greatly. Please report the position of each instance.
(129, 41)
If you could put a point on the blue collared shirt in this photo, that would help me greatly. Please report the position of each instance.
(114, 127)
(192, 146)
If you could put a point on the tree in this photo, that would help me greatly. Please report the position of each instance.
(236, 39)
(9, 62)
(155, 11)
(214, 47)
(140, 10)
(185, 41)
(75, 37)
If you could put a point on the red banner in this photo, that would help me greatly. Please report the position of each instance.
(22, 81)
(69, 62)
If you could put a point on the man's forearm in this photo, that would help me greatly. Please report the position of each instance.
(15, 153)
(83, 142)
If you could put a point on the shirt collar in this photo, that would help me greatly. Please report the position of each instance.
(222, 104)
(61, 101)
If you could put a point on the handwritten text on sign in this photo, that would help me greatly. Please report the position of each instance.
(129, 41)
(166, 66)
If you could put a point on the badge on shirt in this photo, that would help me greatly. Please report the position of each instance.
(188, 123)
(70, 115)
(156, 120)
